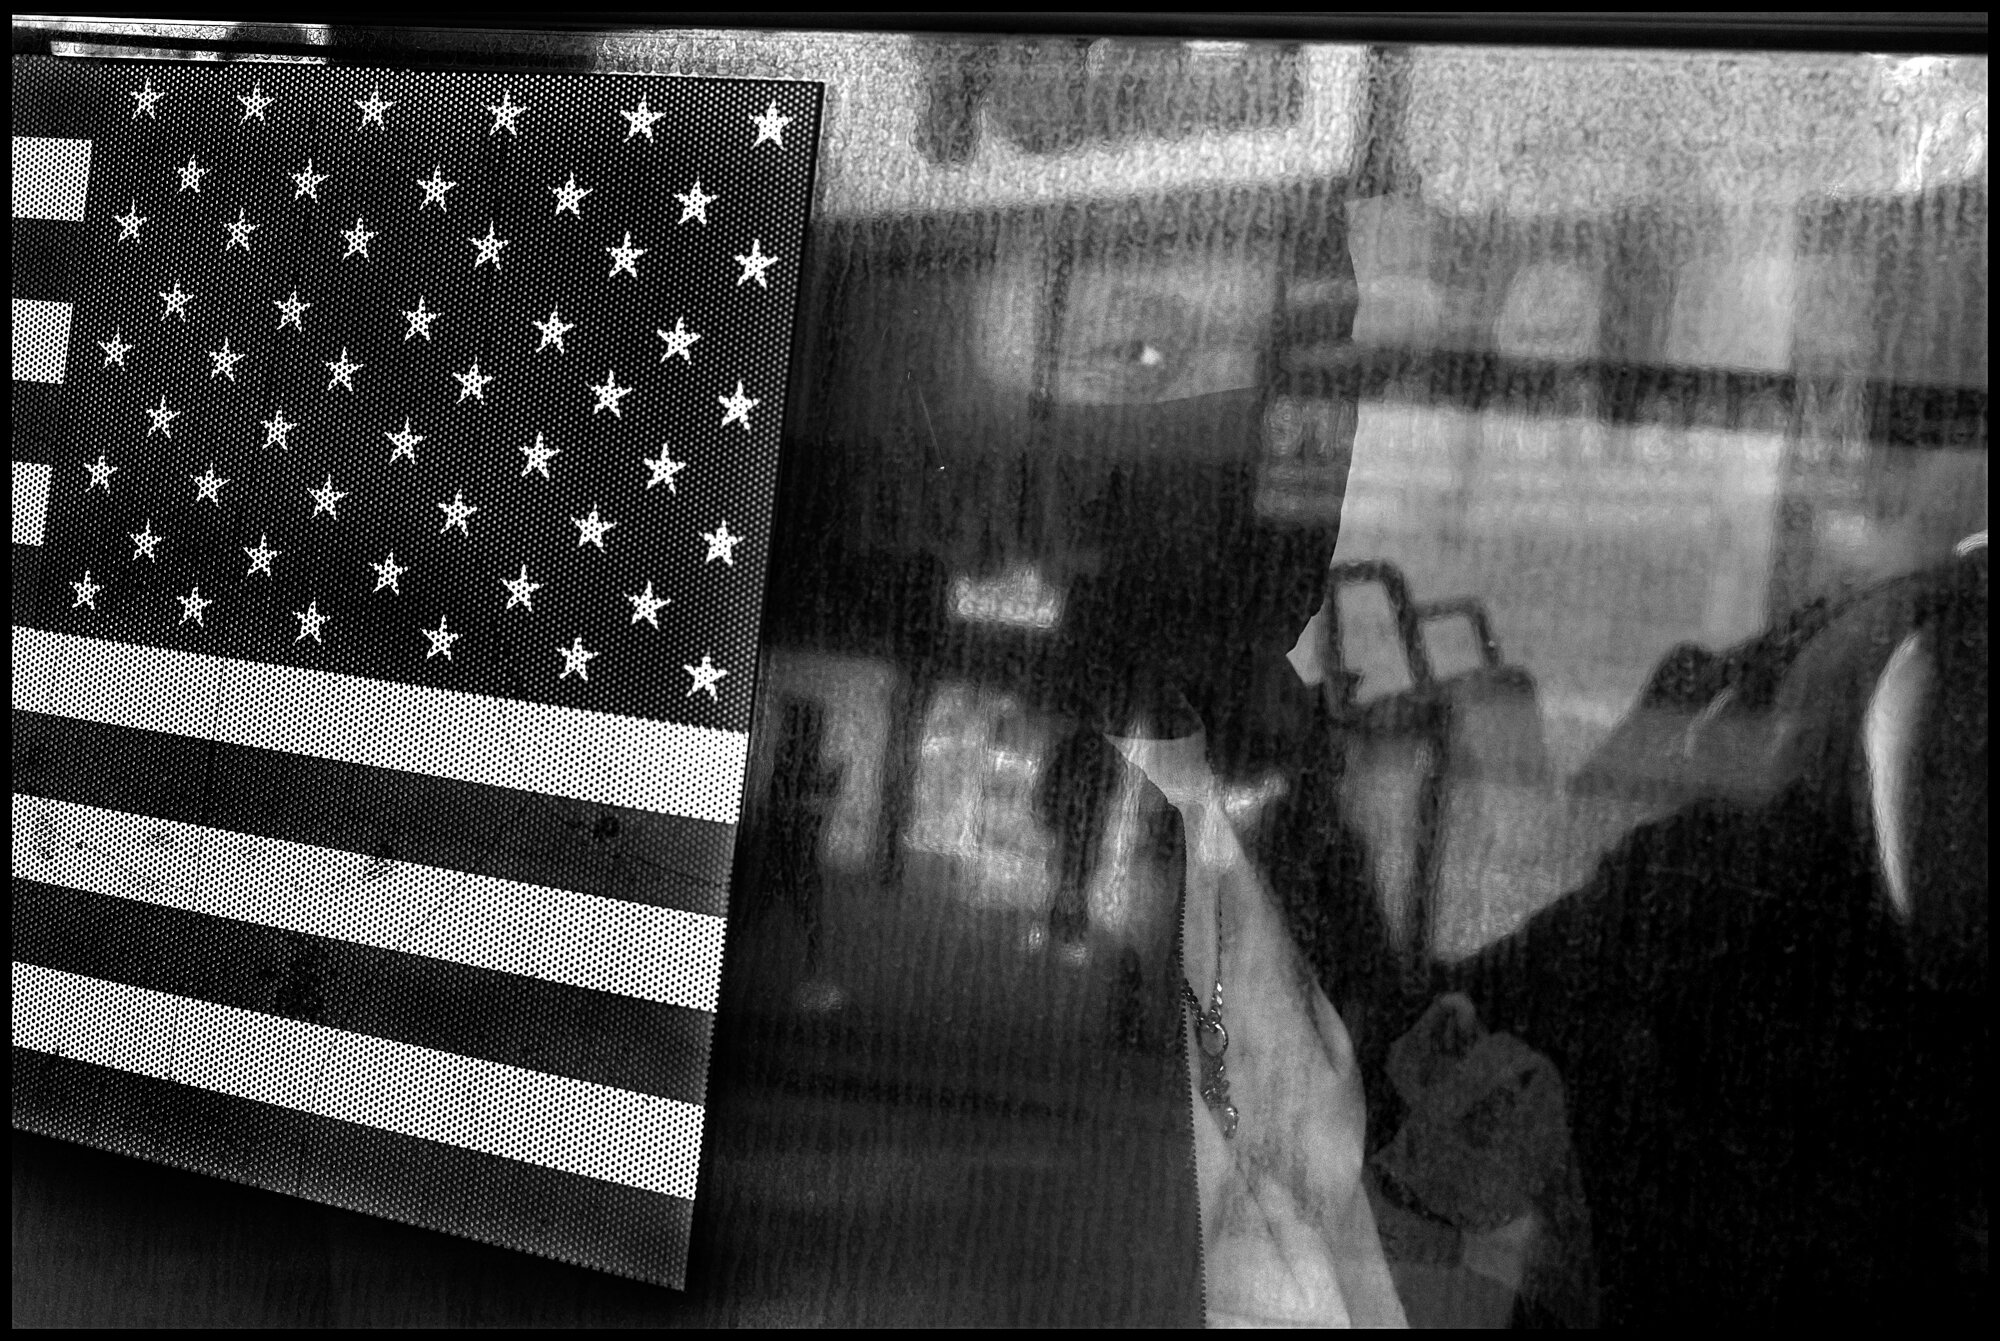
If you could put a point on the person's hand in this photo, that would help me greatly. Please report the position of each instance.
(1288, 1235)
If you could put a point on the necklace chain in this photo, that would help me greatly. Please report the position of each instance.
(1212, 1038)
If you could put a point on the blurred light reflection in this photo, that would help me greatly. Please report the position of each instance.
(980, 760)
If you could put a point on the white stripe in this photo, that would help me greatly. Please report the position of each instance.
(51, 178)
(41, 340)
(608, 945)
(31, 501)
(692, 771)
(619, 1136)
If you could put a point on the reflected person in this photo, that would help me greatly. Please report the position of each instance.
(1041, 492)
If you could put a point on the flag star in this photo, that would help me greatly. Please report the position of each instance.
(539, 455)
(625, 257)
(736, 408)
(721, 545)
(647, 606)
(208, 485)
(489, 248)
(358, 238)
(372, 107)
(570, 196)
(310, 622)
(128, 222)
(506, 113)
(254, 102)
(192, 174)
(520, 591)
(610, 394)
(754, 265)
(240, 231)
(664, 470)
(163, 418)
(705, 677)
(147, 100)
(86, 591)
(101, 472)
(144, 543)
(455, 513)
(308, 182)
(192, 605)
(552, 330)
(225, 360)
(261, 556)
(176, 301)
(405, 441)
(434, 189)
(420, 321)
(343, 370)
(388, 572)
(291, 311)
(640, 121)
(115, 349)
(441, 640)
(472, 382)
(277, 429)
(770, 126)
(575, 660)
(679, 341)
(324, 498)
(694, 204)
(591, 530)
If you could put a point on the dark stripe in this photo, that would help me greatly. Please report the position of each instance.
(611, 851)
(39, 423)
(66, 98)
(472, 1012)
(1631, 393)
(524, 1207)
(48, 256)
(143, 772)
(23, 575)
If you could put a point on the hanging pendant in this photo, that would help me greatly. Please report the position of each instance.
(1212, 1041)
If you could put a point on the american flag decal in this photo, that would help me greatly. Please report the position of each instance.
(393, 467)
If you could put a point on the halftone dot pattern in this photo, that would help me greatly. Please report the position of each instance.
(248, 1055)
(51, 178)
(599, 1224)
(688, 942)
(541, 380)
(361, 1168)
(41, 340)
(402, 998)
(116, 683)
(681, 770)
(30, 501)
(606, 945)
(422, 258)
(647, 1141)
(39, 1022)
(593, 1131)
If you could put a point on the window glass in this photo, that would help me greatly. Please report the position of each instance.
(1475, 494)
(1460, 569)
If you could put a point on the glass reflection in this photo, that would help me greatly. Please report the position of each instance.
(1532, 520)
(979, 762)
(1551, 485)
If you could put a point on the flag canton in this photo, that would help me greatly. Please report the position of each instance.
(469, 381)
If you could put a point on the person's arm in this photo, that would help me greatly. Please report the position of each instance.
(1287, 1233)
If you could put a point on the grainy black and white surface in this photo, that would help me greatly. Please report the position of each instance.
(400, 449)
(1646, 390)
